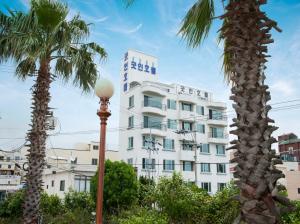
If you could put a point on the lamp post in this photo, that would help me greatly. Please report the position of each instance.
(104, 90)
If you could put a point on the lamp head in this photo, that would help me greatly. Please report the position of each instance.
(104, 88)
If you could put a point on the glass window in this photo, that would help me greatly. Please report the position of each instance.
(8, 159)
(131, 101)
(153, 122)
(130, 122)
(204, 148)
(200, 110)
(172, 124)
(187, 145)
(130, 142)
(221, 186)
(168, 144)
(217, 132)
(95, 147)
(215, 114)
(221, 168)
(206, 186)
(153, 101)
(205, 167)
(130, 161)
(187, 126)
(171, 104)
(148, 163)
(17, 158)
(82, 184)
(94, 161)
(220, 149)
(62, 185)
(187, 106)
(168, 165)
(147, 141)
(52, 183)
(201, 128)
(188, 166)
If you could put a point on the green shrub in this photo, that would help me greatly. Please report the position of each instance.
(12, 206)
(79, 200)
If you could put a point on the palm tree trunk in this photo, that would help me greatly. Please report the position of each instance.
(37, 138)
(246, 32)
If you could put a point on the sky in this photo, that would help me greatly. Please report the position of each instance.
(149, 26)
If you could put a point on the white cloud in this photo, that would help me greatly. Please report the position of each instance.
(126, 30)
(283, 87)
(25, 3)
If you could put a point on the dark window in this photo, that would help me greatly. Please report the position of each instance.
(221, 168)
(95, 147)
(187, 106)
(187, 126)
(148, 163)
(130, 122)
(94, 161)
(130, 143)
(206, 186)
(131, 101)
(221, 186)
(188, 166)
(52, 183)
(62, 185)
(168, 164)
(9, 166)
(298, 190)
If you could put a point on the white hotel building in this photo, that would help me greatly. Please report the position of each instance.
(171, 127)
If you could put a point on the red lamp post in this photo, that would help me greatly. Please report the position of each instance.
(104, 90)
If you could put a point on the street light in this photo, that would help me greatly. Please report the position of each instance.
(104, 89)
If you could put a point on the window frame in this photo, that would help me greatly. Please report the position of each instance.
(62, 185)
(218, 168)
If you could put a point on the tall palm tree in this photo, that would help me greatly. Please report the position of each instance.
(45, 44)
(246, 33)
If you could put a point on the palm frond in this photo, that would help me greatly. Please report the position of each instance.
(26, 67)
(197, 22)
(63, 67)
(96, 48)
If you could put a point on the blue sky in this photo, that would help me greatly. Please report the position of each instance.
(151, 27)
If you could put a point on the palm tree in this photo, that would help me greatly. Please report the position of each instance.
(246, 33)
(45, 44)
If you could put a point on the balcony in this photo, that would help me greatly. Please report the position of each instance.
(154, 129)
(218, 105)
(188, 155)
(152, 89)
(187, 98)
(154, 107)
(218, 138)
(219, 121)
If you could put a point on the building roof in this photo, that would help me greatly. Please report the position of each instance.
(289, 141)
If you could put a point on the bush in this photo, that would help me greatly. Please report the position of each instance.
(12, 206)
(76, 216)
(120, 186)
(79, 200)
(293, 217)
(146, 189)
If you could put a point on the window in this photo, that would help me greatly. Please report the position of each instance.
(148, 163)
(17, 158)
(168, 144)
(62, 185)
(82, 183)
(220, 149)
(130, 161)
(168, 165)
(187, 145)
(7, 159)
(205, 167)
(204, 148)
(153, 101)
(130, 122)
(188, 166)
(130, 143)
(95, 147)
(217, 132)
(187, 106)
(8, 166)
(215, 114)
(201, 128)
(131, 101)
(200, 110)
(172, 124)
(298, 190)
(187, 126)
(94, 161)
(148, 142)
(1, 158)
(152, 122)
(52, 183)
(206, 186)
(221, 186)
(74, 161)
(171, 104)
(221, 168)
(0, 165)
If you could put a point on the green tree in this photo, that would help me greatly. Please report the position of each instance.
(146, 189)
(46, 45)
(246, 33)
(120, 186)
(79, 200)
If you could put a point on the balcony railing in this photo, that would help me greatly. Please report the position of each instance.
(154, 103)
(220, 135)
(218, 118)
(155, 125)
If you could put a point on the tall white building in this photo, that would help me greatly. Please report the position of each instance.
(162, 125)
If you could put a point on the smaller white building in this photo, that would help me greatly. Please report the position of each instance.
(10, 177)
(72, 169)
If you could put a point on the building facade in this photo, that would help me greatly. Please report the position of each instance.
(171, 127)
(10, 176)
(289, 147)
(72, 169)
